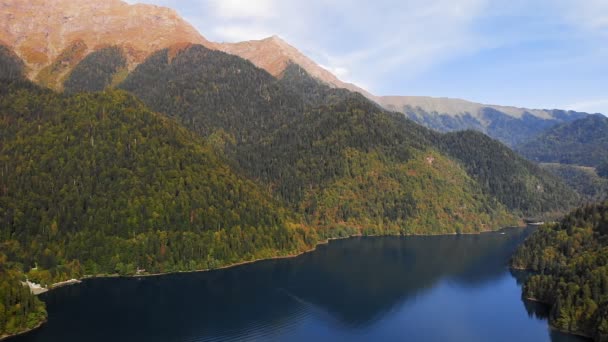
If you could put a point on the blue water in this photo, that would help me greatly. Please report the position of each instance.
(450, 288)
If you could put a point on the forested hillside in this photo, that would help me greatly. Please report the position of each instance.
(582, 142)
(20, 310)
(570, 260)
(11, 67)
(96, 183)
(586, 180)
(345, 164)
(517, 183)
(97, 71)
(297, 135)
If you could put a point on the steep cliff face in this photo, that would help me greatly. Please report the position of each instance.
(53, 36)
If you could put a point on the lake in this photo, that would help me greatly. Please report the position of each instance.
(445, 288)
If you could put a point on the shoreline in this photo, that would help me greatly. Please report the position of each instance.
(242, 263)
(288, 256)
(29, 330)
(551, 325)
(574, 333)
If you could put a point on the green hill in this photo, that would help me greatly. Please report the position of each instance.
(296, 134)
(96, 183)
(11, 67)
(582, 142)
(570, 260)
(520, 185)
(97, 71)
(584, 179)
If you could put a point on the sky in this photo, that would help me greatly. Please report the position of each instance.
(528, 53)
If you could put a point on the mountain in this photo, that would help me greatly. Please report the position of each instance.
(304, 147)
(11, 66)
(570, 263)
(51, 37)
(588, 181)
(520, 185)
(98, 184)
(64, 33)
(275, 55)
(310, 156)
(510, 125)
(582, 142)
(103, 68)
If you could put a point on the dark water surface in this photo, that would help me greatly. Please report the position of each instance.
(449, 288)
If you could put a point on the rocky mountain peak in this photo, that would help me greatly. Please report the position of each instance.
(41, 31)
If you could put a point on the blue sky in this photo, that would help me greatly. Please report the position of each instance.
(535, 53)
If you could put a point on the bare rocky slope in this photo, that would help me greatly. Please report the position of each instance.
(52, 37)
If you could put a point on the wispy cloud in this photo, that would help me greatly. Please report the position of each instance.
(247, 9)
(360, 41)
(236, 33)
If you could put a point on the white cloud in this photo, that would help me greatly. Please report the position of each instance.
(236, 33)
(231, 9)
(339, 71)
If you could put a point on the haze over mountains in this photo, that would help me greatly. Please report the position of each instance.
(64, 32)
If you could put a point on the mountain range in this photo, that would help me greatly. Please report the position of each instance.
(576, 152)
(132, 144)
(510, 125)
(53, 38)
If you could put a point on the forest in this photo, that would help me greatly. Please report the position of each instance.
(275, 127)
(97, 71)
(570, 264)
(591, 183)
(582, 142)
(20, 310)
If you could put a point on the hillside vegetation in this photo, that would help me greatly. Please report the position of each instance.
(582, 142)
(11, 67)
(20, 310)
(96, 183)
(586, 180)
(298, 143)
(517, 183)
(97, 71)
(570, 260)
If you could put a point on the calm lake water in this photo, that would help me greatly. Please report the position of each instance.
(449, 288)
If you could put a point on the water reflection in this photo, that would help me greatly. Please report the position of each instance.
(415, 288)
